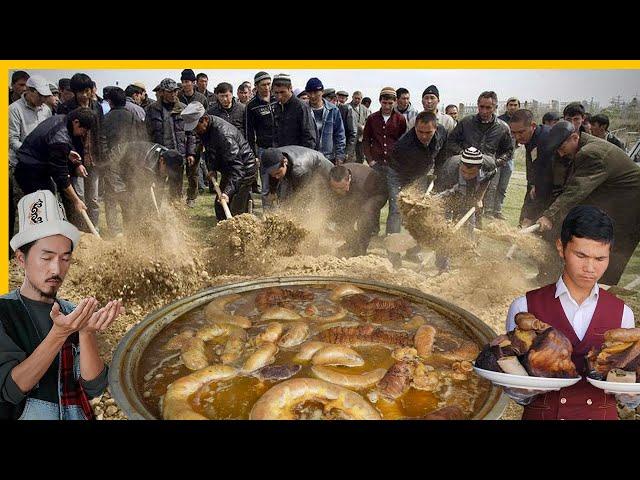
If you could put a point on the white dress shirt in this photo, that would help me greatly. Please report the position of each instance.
(579, 316)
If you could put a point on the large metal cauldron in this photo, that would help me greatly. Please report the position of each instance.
(124, 368)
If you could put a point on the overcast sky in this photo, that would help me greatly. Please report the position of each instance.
(454, 85)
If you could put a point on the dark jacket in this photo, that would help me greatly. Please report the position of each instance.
(18, 339)
(260, 123)
(303, 164)
(183, 142)
(350, 128)
(366, 182)
(196, 97)
(98, 142)
(294, 124)
(45, 151)
(121, 126)
(411, 159)
(494, 139)
(236, 115)
(228, 152)
(539, 160)
(603, 175)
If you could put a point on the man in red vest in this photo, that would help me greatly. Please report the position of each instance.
(583, 312)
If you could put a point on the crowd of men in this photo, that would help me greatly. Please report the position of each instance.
(270, 139)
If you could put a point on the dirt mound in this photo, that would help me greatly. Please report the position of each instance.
(530, 244)
(246, 245)
(424, 218)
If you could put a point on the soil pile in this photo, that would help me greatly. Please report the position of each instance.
(247, 245)
(424, 217)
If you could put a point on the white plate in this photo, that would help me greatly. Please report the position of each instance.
(615, 387)
(522, 381)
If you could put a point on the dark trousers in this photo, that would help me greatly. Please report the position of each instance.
(626, 242)
(176, 178)
(239, 201)
(367, 221)
(360, 158)
(497, 190)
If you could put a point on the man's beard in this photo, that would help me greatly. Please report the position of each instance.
(52, 294)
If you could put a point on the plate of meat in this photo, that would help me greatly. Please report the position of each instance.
(534, 355)
(615, 365)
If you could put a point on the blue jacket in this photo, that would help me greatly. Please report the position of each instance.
(331, 139)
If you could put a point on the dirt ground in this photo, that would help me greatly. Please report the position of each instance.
(166, 261)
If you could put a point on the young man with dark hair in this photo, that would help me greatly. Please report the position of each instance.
(18, 85)
(92, 152)
(404, 107)
(574, 112)
(227, 152)
(539, 173)
(244, 93)
(49, 360)
(260, 126)
(486, 132)
(580, 309)
(430, 101)
(361, 192)
(361, 113)
(550, 118)
(228, 108)
(294, 124)
(599, 174)
(166, 127)
(202, 80)
(600, 129)
(188, 93)
(328, 122)
(381, 132)
(50, 151)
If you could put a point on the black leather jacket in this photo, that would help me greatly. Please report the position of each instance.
(303, 164)
(228, 152)
(495, 140)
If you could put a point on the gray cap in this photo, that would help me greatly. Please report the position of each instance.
(559, 134)
(282, 77)
(40, 84)
(342, 93)
(167, 84)
(192, 114)
(329, 92)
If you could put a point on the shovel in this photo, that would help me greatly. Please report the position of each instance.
(225, 207)
(533, 228)
(153, 198)
(89, 223)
